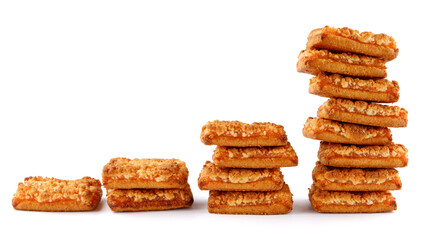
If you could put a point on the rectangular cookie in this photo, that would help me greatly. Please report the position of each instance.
(124, 173)
(317, 61)
(132, 200)
(238, 134)
(348, 133)
(258, 203)
(349, 40)
(239, 179)
(355, 179)
(335, 85)
(340, 155)
(365, 113)
(255, 157)
(56, 195)
(351, 202)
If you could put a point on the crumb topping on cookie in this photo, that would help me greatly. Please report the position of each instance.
(350, 58)
(372, 85)
(240, 129)
(354, 176)
(362, 107)
(211, 172)
(236, 198)
(46, 190)
(335, 150)
(158, 170)
(317, 125)
(350, 198)
(364, 37)
(143, 195)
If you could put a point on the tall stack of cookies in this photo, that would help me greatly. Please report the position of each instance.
(357, 159)
(146, 184)
(245, 175)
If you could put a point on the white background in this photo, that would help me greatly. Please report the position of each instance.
(86, 81)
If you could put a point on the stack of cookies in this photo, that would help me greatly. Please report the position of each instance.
(146, 184)
(356, 159)
(245, 175)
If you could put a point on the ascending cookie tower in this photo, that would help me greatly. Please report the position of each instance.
(245, 175)
(146, 184)
(357, 159)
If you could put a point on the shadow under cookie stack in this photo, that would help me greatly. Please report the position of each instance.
(146, 184)
(245, 175)
(357, 159)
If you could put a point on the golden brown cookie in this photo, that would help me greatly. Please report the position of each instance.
(341, 155)
(56, 195)
(355, 179)
(259, 203)
(124, 173)
(349, 40)
(351, 202)
(317, 61)
(361, 112)
(255, 157)
(339, 132)
(238, 134)
(335, 85)
(132, 200)
(239, 179)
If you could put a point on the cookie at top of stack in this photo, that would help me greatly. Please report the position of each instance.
(357, 157)
(146, 184)
(245, 175)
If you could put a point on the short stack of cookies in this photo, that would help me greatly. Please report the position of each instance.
(146, 184)
(356, 160)
(245, 175)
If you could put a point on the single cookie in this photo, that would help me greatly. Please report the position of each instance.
(254, 157)
(355, 179)
(56, 195)
(239, 179)
(351, 202)
(335, 85)
(124, 173)
(317, 61)
(339, 132)
(361, 112)
(132, 200)
(349, 40)
(259, 203)
(238, 134)
(340, 155)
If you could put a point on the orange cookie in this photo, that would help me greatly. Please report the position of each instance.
(339, 132)
(259, 203)
(56, 195)
(238, 134)
(124, 173)
(317, 61)
(340, 155)
(355, 179)
(351, 202)
(361, 112)
(239, 179)
(349, 40)
(132, 200)
(254, 157)
(335, 85)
